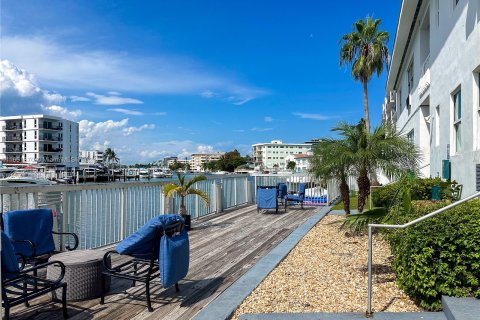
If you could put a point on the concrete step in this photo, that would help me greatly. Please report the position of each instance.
(346, 316)
(461, 308)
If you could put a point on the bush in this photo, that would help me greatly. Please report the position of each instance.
(439, 256)
(357, 224)
(420, 189)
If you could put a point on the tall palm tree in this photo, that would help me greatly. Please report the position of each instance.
(184, 188)
(385, 149)
(331, 160)
(365, 49)
(110, 156)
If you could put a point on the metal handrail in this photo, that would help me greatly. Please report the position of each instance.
(402, 226)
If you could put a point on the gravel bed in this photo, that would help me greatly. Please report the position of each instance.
(327, 272)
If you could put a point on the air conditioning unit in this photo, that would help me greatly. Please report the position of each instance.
(393, 96)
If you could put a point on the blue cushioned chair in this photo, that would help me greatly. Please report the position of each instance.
(267, 198)
(31, 232)
(298, 197)
(20, 286)
(282, 191)
(159, 248)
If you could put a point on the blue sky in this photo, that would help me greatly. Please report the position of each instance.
(158, 78)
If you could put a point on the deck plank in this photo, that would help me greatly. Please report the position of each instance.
(222, 249)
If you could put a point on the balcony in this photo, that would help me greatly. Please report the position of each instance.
(50, 150)
(12, 139)
(424, 82)
(12, 150)
(50, 139)
(12, 127)
(57, 127)
(49, 160)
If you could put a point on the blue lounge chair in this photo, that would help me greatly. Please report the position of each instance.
(20, 285)
(267, 198)
(282, 191)
(159, 248)
(298, 197)
(31, 232)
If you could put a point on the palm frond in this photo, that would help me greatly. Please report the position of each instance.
(171, 189)
(194, 180)
(199, 193)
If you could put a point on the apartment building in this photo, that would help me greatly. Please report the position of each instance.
(45, 140)
(198, 159)
(271, 156)
(433, 91)
(91, 157)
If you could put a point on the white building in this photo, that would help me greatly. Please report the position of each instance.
(271, 156)
(91, 157)
(433, 86)
(198, 159)
(39, 139)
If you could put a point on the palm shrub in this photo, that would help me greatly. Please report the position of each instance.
(184, 188)
(365, 49)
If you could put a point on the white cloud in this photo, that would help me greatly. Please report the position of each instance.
(268, 119)
(130, 130)
(312, 116)
(64, 66)
(261, 129)
(159, 113)
(127, 111)
(19, 91)
(114, 93)
(79, 99)
(112, 100)
(91, 131)
(62, 112)
(208, 94)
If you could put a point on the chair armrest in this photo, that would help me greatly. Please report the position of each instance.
(107, 262)
(75, 237)
(26, 272)
(31, 244)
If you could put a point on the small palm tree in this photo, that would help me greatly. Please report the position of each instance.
(366, 50)
(110, 156)
(184, 188)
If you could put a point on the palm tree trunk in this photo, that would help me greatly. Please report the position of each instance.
(363, 189)
(345, 194)
(183, 209)
(365, 106)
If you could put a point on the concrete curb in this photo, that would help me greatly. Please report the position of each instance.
(225, 304)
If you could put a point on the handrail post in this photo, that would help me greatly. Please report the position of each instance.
(370, 247)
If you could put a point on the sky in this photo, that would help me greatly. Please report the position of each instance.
(158, 78)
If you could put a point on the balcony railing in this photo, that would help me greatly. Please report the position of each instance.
(426, 65)
(12, 150)
(12, 139)
(12, 127)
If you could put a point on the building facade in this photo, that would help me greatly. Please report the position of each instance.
(39, 139)
(91, 157)
(433, 91)
(198, 159)
(271, 156)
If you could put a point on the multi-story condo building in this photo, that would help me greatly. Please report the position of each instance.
(168, 160)
(91, 157)
(271, 156)
(198, 159)
(39, 139)
(433, 92)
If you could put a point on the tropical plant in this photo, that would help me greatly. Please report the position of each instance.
(291, 165)
(329, 162)
(365, 49)
(110, 156)
(184, 188)
(230, 161)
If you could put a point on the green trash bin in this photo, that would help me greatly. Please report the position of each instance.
(436, 190)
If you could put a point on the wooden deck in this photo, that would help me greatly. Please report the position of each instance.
(222, 249)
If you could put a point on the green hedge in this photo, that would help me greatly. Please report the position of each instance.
(421, 189)
(439, 256)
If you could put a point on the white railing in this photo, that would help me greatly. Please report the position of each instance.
(401, 226)
(102, 214)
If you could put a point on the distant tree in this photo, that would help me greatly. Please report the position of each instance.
(110, 156)
(175, 166)
(210, 166)
(366, 50)
(275, 167)
(291, 165)
(230, 160)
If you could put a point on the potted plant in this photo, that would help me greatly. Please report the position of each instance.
(184, 188)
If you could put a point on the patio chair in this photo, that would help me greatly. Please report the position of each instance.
(296, 197)
(20, 286)
(267, 198)
(31, 232)
(159, 248)
(282, 191)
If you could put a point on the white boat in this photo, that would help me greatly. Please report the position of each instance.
(144, 174)
(158, 173)
(22, 176)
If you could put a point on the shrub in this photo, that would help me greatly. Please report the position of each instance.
(439, 256)
(420, 189)
(358, 223)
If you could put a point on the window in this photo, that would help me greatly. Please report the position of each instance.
(35, 133)
(411, 136)
(35, 123)
(410, 76)
(457, 120)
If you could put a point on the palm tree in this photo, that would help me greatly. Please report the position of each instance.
(331, 160)
(184, 188)
(365, 49)
(110, 156)
(385, 149)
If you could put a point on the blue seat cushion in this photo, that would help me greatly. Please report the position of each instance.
(9, 260)
(35, 225)
(266, 198)
(174, 258)
(282, 190)
(294, 197)
(141, 242)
